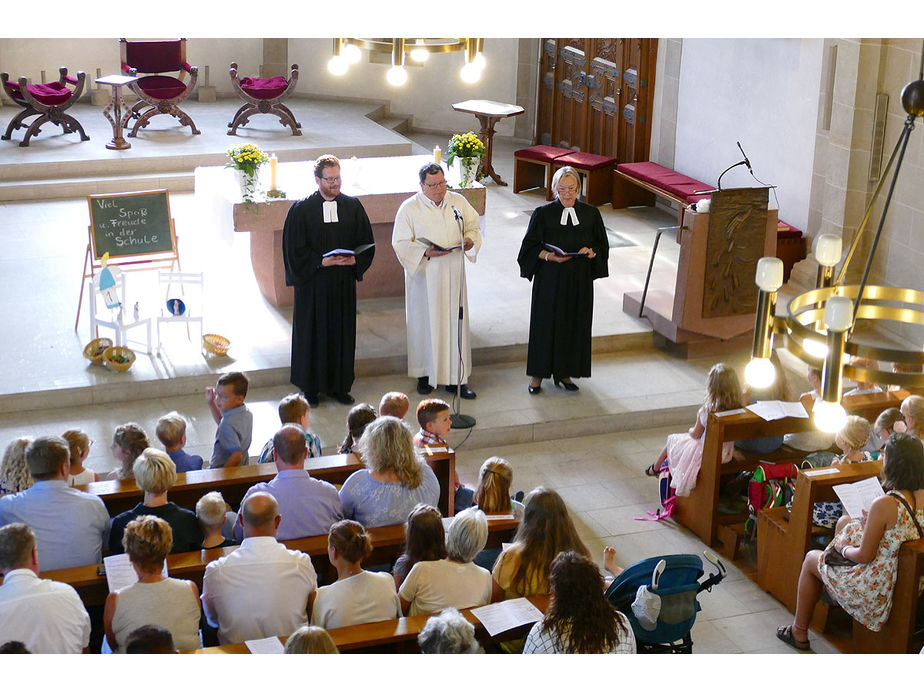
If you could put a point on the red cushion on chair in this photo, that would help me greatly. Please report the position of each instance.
(51, 94)
(264, 87)
(161, 86)
(154, 56)
(541, 152)
(586, 160)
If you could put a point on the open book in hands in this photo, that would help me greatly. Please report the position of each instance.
(347, 251)
(562, 253)
(430, 244)
(858, 497)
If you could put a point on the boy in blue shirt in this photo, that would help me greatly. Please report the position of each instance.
(171, 432)
(235, 422)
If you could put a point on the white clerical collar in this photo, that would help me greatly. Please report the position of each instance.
(568, 213)
(329, 208)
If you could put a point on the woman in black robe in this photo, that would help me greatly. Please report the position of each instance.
(563, 294)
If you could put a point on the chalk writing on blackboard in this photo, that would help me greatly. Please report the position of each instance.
(131, 224)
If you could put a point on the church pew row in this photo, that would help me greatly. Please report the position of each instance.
(784, 538)
(396, 635)
(233, 482)
(699, 511)
(387, 544)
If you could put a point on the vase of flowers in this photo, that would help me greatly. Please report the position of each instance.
(246, 161)
(469, 150)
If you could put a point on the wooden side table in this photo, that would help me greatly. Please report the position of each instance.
(116, 107)
(488, 113)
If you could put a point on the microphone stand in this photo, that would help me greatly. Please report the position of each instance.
(458, 419)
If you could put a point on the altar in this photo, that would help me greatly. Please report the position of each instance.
(380, 183)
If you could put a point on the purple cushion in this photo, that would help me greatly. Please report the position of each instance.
(784, 230)
(161, 86)
(667, 179)
(586, 160)
(264, 87)
(541, 152)
(154, 56)
(51, 94)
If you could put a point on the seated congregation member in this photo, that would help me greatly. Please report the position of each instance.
(580, 619)
(294, 409)
(211, 511)
(310, 640)
(814, 440)
(14, 647)
(79, 443)
(864, 590)
(424, 540)
(359, 417)
(71, 527)
(358, 596)
(235, 422)
(262, 588)
(46, 616)
(171, 432)
(435, 424)
(308, 506)
(155, 473)
(912, 410)
(545, 531)
(863, 387)
(394, 404)
(432, 586)
(150, 640)
(395, 479)
(448, 632)
(153, 600)
(128, 441)
(14, 472)
(888, 422)
(493, 497)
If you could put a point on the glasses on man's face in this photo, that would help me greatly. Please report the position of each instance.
(335, 179)
(441, 184)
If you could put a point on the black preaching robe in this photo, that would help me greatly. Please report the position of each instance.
(562, 308)
(324, 317)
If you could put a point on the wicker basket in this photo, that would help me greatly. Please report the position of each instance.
(112, 358)
(215, 344)
(95, 349)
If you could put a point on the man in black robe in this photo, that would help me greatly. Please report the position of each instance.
(324, 318)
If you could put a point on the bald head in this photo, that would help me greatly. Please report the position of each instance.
(260, 515)
(290, 447)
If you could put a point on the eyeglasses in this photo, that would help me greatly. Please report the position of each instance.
(569, 189)
(335, 179)
(441, 184)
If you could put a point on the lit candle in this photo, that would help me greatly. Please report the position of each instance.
(273, 162)
(437, 154)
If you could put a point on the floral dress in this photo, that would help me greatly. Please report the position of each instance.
(865, 590)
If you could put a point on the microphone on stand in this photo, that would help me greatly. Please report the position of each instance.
(458, 214)
(747, 161)
(458, 419)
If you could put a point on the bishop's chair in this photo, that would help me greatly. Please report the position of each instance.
(157, 92)
(264, 95)
(47, 101)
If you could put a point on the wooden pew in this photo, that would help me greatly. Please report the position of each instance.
(396, 635)
(387, 543)
(784, 538)
(233, 482)
(699, 511)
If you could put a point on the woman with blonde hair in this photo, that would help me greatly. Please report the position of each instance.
(79, 443)
(155, 473)
(153, 600)
(128, 441)
(913, 411)
(14, 472)
(358, 596)
(492, 495)
(395, 478)
(310, 640)
(565, 249)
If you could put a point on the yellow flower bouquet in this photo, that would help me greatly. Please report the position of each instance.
(464, 146)
(246, 158)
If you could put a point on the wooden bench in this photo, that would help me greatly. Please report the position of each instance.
(396, 635)
(233, 482)
(699, 511)
(387, 543)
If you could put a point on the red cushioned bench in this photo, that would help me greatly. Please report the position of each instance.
(596, 169)
(534, 167)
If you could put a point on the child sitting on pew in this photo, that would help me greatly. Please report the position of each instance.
(294, 409)
(851, 439)
(79, 443)
(128, 441)
(394, 404)
(492, 495)
(435, 424)
(171, 432)
(888, 422)
(359, 417)
(212, 512)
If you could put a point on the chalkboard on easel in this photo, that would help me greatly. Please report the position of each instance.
(128, 225)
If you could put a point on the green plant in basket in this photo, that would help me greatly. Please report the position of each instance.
(246, 158)
(464, 146)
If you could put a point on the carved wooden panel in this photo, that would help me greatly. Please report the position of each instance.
(603, 94)
(546, 91)
(737, 226)
(570, 112)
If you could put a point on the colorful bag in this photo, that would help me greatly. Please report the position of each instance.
(771, 486)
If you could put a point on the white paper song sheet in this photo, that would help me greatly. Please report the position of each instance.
(510, 613)
(859, 496)
(119, 571)
(773, 409)
(271, 645)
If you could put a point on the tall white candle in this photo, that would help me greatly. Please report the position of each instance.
(273, 161)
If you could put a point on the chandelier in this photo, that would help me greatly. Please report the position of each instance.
(348, 51)
(819, 326)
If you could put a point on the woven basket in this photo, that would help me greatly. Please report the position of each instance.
(215, 344)
(95, 349)
(113, 353)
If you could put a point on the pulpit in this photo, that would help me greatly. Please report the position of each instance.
(710, 309)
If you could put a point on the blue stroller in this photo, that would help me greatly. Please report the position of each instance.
(658, 596)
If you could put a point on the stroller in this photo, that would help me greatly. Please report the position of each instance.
(658, 596)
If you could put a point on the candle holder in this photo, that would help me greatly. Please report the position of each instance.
(275, 194)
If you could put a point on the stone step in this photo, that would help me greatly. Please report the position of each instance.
(79, 186)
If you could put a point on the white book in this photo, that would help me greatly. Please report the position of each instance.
(503, 616)
(272, 645)
(859, 495)
(771, 410)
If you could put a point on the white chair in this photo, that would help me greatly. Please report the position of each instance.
(117, 324)
(183, 279)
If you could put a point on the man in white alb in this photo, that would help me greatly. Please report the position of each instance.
(434, 281)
